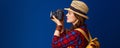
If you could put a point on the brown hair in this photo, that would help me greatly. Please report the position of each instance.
(81, 22)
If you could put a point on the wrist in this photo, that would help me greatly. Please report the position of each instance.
(59, 28)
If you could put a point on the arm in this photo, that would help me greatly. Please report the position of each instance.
(66, 40)
(59, 26)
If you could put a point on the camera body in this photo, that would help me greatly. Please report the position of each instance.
(59, 14)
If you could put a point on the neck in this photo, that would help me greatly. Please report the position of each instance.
(75, 22)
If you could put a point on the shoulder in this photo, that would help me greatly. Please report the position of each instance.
(79, 32)
(73, 32)
(76, 31)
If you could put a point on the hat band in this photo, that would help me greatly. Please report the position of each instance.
(74, 9)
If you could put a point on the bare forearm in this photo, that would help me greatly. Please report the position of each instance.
(57, 33)
(59, 30)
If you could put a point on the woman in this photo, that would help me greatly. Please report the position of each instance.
(72, 38)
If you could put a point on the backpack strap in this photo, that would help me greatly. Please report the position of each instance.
(84, 34)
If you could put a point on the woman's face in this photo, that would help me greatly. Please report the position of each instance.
(70, 17)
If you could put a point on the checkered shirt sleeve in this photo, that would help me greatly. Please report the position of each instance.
(70, 38)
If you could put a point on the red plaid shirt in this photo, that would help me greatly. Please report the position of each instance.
(72, 39)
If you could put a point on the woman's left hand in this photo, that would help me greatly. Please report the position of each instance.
(56, 21)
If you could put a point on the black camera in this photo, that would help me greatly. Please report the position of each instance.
(59, 14)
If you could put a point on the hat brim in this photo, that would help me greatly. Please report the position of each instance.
(66, 8)
(84, 16)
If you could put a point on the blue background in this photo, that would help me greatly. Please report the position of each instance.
(27, 24)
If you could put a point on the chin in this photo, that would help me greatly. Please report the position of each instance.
(68, 21)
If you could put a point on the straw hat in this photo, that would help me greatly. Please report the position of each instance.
(79, 8)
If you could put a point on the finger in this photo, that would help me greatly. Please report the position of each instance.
(54, 18)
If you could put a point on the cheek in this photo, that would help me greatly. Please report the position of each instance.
(71, 19)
